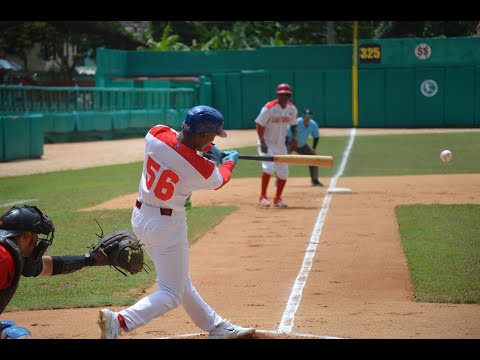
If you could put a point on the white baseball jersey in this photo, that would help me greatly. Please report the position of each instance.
(171, 171)
(275, 120)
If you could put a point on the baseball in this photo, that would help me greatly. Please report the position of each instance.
(446, 155)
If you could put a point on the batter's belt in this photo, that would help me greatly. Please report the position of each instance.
(163, 211)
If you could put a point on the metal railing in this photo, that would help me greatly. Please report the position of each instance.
(21, 99)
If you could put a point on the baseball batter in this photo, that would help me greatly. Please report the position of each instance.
(172, 170)
(271, 125)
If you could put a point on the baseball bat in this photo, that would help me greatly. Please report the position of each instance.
(310, 160)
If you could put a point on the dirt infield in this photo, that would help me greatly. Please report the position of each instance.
(246, 267)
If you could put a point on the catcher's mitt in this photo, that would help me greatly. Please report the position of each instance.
(120, 249)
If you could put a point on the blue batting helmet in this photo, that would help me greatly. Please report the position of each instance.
(203, 118)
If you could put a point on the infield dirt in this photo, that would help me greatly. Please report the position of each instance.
(358, 286)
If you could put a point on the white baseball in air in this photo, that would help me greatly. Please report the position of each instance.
(446, 155)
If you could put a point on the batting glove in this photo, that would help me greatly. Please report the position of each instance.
(230, 155)
(214, 154)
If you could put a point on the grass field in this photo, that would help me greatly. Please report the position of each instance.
(443, 259)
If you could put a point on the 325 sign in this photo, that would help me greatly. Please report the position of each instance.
(370, 54)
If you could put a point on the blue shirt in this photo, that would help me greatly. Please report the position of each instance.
(304, 131)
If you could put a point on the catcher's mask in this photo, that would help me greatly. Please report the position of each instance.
(203, 118)
(17, 220)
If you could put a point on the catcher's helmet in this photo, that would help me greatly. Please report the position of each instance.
(17, 220)
(203, 118)
(284, 89)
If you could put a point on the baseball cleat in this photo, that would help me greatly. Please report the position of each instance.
(263, 202)
(280, 203)
(108, 322)
(317, 183)
(227, 330)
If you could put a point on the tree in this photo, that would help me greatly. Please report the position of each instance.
(216, 35)
(20, 36)
(399, 29)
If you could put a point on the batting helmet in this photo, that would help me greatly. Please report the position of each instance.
(27, 218)
(284, 89)
(203, 118)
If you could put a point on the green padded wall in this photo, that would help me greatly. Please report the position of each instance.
(459, 97)
(477, 96)
(371, 98)
(36, 138)
(451, 51)
(310, 92)
(220, 95)
(234, 115)
(338, 100)
(256, 92)
(399, 102)
(429, 111)
(64, 122)
(16, 137)
(85, 121)
(281, 77)
(2, 155)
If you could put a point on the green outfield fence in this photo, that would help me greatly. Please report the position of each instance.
(402, 83)
(62, 114)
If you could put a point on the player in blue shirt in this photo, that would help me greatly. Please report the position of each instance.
(306, 126)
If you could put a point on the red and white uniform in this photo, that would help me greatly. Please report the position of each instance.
(171, 172)
(275, 120)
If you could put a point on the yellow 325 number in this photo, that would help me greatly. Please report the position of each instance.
(370, 53)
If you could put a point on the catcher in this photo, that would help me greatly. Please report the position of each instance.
(22, 253)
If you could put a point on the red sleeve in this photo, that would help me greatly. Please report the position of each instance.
(7, 270)
(226, 171)
(260, 132)
(207, 148)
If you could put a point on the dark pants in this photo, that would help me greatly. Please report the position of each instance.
(307, 150)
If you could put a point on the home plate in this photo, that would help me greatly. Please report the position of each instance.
(339, 190)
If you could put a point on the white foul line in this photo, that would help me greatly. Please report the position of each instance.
(288, 317)
(205, 334)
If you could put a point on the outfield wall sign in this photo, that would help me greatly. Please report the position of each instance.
(370, 53)
(429, 88)
(423, 51)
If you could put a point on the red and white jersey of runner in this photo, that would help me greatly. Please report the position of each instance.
(276, 120)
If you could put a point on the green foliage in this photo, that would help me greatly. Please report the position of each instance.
(20, 37)
(215, 35)
(230, 35)
(399, 29)
(442, 246)
(167, 42)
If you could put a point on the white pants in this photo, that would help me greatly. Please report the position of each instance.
(165, 240)
(270, 167)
